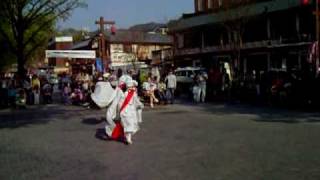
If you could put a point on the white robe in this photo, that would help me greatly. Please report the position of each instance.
(103, 94)
(131, 114)
(113, 111)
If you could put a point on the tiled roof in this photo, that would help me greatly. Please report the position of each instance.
(148, 27)
(81, 44)
(249, 10)
(138, 37)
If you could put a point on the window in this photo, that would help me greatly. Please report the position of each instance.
(181, 73)
(127, 48)
(192, 39)
(283, 26)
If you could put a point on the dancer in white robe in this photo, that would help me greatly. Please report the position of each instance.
(113, 112)
(130, 111)
(103, 94)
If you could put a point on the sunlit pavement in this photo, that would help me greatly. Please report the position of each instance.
(175, 142)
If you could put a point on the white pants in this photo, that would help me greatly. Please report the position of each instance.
(36, 98)
(202, 92)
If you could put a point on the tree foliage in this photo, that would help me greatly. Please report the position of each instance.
(27, 25)
(77, 34)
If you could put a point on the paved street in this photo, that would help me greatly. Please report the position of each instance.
(222, 142)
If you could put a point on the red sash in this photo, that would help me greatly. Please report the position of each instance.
(127, 100)
(118, 132)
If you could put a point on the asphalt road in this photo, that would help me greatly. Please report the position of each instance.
(214, 142)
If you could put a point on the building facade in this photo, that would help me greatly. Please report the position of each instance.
(59, 43)
(128, 48)
(260, 35)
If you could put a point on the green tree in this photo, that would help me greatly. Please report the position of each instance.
(77, 34)
(27, 24)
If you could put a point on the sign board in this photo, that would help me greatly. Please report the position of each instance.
(76, 54)
(115, 48)
(64, 39)
(122, 59)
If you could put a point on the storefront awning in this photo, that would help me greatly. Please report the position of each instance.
(72, 54)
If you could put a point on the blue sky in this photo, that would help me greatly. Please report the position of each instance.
(127, 12)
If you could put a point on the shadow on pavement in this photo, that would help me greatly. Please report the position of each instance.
(93, 121)
(259, 113)
(101, 134)
(15, 118)
(262, 114)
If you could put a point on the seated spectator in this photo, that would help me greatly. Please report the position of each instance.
(77, 96)
(66, 94)
(12, 93)
(148, 91)
(47, 93)
(162, 89)
(21, 99)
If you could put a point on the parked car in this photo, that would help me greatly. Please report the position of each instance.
(185, 77)
(187, 74)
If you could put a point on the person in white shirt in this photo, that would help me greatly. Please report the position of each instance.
(171, 86)
(202, 80)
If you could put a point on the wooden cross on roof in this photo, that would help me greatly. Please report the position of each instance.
(102, 22)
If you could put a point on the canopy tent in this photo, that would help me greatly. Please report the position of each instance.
(72, 54)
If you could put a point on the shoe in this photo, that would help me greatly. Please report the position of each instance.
(128, 139)
(151, 105)
(129, 142)
(156, 100)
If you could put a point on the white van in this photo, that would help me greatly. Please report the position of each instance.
(187, 74)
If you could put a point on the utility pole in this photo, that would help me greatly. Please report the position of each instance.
(317, 36)
(102, 44)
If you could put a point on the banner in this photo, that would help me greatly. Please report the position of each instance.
(99, 65)
(76, 54)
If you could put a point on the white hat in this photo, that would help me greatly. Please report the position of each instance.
(125, 79)
(132, 83)
(106, 75)
(135, 83)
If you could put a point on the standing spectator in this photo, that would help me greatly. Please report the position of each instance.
(171, 81)
(215, 78)
(202, 79)
(35, 81)
(36, 95)
(35, 84)
(225, 83)
(4, 93)
(211, 82)
(196, 89)
(28, 91)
